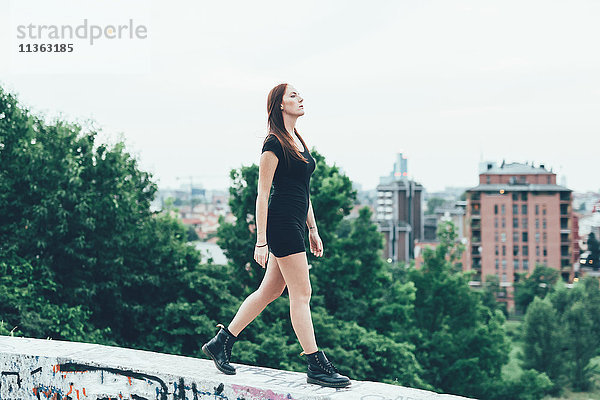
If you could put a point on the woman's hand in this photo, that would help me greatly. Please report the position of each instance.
(316, 245)
(261, 254)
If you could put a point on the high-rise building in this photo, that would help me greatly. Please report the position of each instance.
(518, 217)
(399, 212)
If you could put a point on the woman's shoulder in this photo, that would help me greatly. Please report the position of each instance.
(272, 143)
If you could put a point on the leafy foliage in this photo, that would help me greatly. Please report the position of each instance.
(541, 282)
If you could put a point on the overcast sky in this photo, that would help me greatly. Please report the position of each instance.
(449, 83)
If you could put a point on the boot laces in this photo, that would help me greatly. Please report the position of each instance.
(227, 350)
(226, 346)
(329, 367)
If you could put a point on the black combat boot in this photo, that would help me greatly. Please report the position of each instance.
(322, 372)
(219, 349)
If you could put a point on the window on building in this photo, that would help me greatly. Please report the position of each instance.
(515, 196)
(524, 237)
(515, 250)
(497, 250)
(537, 251)
(549, 180)
(515, 237)
(524, 209)
(545, 253)
(515, 209)
(515, 222)
(504, 250)
(516, 264)
(503, 222)
(524, 194)
(487, 179)
(544, 209)
(525, 251)
(537, 209)
(496, 236)
(525, 264)
(544, 223)
(545, 236)
(524, 223)
(496, 222)
(503, 209)
(537, 237)
(503, 277)
(504, 264)
(503, 237)
(537, 223)
(496, 209)
(497, 263)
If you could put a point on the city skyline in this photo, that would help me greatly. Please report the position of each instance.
(376, 81)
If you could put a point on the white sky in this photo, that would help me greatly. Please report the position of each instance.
(447, 82)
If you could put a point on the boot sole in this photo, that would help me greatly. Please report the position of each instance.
(209, 354)
(328, 384)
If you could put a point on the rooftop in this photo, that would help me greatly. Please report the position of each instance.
(514, 168)
(496, 187)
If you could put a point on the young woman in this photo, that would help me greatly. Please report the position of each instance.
(287, 164)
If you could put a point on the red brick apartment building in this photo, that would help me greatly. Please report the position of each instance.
(518, 217)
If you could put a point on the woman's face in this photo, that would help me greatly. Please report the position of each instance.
(292, 102)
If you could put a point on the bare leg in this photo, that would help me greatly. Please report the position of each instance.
(271, 288)
(294, 269)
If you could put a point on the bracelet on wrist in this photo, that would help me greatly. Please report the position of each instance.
(262, 245)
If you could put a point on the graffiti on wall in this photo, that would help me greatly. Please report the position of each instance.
(76, 381)
(37, 378)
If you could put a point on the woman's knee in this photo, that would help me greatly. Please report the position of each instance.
(301, 295)
(270, 295)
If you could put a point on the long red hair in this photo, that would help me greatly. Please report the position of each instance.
(276, 126)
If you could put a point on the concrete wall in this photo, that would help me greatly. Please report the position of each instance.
(35, 369)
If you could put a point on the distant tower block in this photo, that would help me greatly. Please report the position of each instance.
(401, 166)
(399, 212)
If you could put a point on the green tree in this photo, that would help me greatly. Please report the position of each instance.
(594, 247)
(543, 341)
(579, 315)
(461, 344)
(433, 203)
(192, 235)
(539, 283)
(83, 257)
(491, 289)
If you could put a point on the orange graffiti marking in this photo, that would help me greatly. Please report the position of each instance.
(70, 390)
(129, 380)
(84, 392)
(120, 396)
(77, 391)
(35, 391)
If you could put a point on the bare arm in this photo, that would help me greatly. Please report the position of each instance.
(310, 218)
(266, 170)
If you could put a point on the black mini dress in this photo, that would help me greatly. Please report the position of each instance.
(288, 204)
